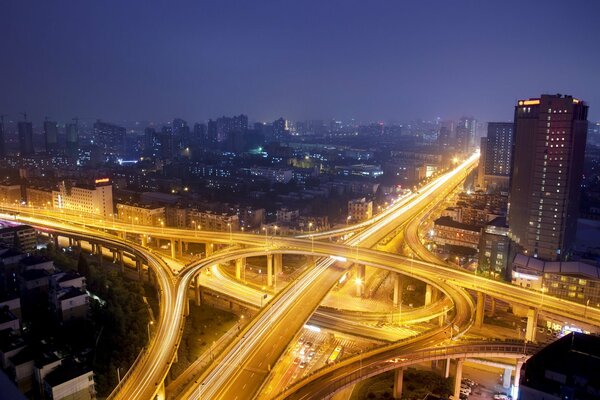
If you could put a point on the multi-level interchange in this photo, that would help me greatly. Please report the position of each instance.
(455, 299)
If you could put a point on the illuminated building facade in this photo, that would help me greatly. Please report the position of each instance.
(549, 146)
(90, 199)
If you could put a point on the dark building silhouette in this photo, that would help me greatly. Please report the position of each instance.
(549, 146)
(25, 138)
(280, 129)
(72, 139)
(110, 137)
(51, 135)
(211, 133)
(496, 156)
(465, 135)
(565, 369)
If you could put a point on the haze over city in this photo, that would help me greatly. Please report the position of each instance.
(381, 61)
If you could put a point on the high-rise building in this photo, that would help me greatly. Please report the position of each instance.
(72, 139)
(25, 138)
(212, 133)
(465, 135)
(280, 129)
(496, 155)
(549, 146)
(95, 198)
(110, 137)
(50, 135)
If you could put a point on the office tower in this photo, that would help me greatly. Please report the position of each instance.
(549, 146)
(2, 142)
(496, 155)
(200, 135)
(72, 139)
(280, 129)
(446, 133)
(25, 139)
(465, 135)
(50, 135)
(211, 133)
(226, 125)
(149, 135)
(110, 137)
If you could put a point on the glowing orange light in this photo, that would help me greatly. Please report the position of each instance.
(102, 180)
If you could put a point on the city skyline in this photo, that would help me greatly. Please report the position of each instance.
(388, 62)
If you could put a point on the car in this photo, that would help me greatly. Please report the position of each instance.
(465, 388)
(462, 396)
(500, 396)
(302, 364)
(464, 392)
(469, 382)
(541, 329)
(549, 331)
(311, 354)
(296, 360)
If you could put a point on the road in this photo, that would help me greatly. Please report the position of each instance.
(241, 371)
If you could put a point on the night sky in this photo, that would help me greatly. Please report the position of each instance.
(368, 60)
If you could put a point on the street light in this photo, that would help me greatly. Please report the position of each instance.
(348, 219)
(230, 234)
(148, 325)
(266, 228)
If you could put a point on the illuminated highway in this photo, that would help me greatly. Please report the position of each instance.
(148, 375)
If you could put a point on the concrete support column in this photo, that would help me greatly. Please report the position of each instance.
(492, 307)
(398, 380)
(447, 369)
(139, 267)
(198, 293)
(518, 373)
(173, 244)
(56, 241)
(186, 307)
(144, 240)
(99, 252)
(360, 280)
(70, 242)
(428, 292)
(479, 309)
(277, 263)
(532, 318)
(397, 290)
(208, 249)
(180, 247)
(240, 266)
(506, 378)
(458, 377)
(442, 320)
(121, 261)
(269, 270)
(186, 245)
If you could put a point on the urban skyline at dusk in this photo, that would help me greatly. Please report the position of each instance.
(387, 61)
(272, 200)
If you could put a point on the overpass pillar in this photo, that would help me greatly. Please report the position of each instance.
(397, 290)
(360, 279)
(208, 249)
(144, 240)
(55, 241)
(173, 250)
(99, 252)
(240, 268)
(121, 262)
(186, 307)
(180, 248)
(479, 309)
(492, 307)
(458, 377)
(140, 268)
(278, 263)
(532, 317)
(71, 242)
(269, 270)
(428, 294)
(518, 374)
(198, 293)
(447, 369)
(398, 380)
(185, 247)
(506, 378)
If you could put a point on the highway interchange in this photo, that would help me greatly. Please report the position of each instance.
(241, 369)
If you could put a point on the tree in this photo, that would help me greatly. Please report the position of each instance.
(82, 265)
